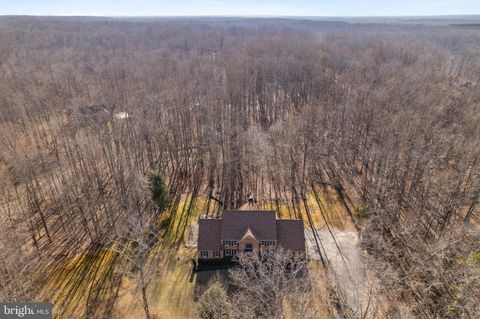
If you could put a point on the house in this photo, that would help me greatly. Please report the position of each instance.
(121, 116)
(248, 231)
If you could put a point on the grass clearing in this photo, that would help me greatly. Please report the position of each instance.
(72, 283)
(325, 207)
(188, 209)
(171, 294)
(76, 281)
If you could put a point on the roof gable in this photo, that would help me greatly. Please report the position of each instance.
(248, 233)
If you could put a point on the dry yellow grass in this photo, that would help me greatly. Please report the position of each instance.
(69, 283)
(182, 218)
(328, 209)
(171, 293)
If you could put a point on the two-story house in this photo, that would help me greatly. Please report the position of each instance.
(248, 231)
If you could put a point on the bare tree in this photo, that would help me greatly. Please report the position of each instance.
(382, 115)
(137, 261)
(215, 303)
(265, 287)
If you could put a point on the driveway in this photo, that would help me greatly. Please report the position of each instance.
(342, 252)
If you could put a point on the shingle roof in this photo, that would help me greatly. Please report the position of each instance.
(209, 232)
(261, 223)
(291, 235)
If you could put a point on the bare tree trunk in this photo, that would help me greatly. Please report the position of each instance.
(144, 293)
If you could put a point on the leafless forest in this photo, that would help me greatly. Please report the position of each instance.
(388, 116)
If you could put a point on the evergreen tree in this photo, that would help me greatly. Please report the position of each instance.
(159, 190)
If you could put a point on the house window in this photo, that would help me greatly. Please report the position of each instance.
(216, 254)
(235, 252)
(267, 243)
(228, 243)
(227, 252)
(248, 247)
(204, 254)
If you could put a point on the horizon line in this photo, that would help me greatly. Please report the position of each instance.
(244, 16)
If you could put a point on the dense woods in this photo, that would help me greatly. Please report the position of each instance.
(388, 116)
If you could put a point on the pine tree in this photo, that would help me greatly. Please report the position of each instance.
(159, 190)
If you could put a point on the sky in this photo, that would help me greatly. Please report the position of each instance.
(323, 8)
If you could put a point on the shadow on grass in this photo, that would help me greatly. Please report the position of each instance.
(83, 286)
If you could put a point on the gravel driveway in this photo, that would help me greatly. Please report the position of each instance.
(344, 256)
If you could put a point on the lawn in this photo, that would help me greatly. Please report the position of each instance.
(90, 281)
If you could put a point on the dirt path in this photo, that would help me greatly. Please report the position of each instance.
(343, 254)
